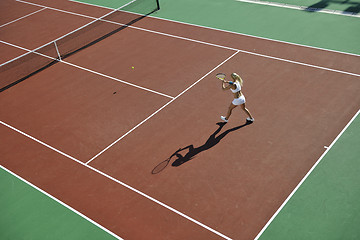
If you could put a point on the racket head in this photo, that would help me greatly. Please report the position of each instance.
(161, 166)
(221, 76)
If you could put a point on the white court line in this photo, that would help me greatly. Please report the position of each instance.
(18, 57)
(85, 69)
(23, 17)
(59, 10)
(237, 33)
(224, 47)
(62, 203)
(305, 177)
(90, 4)
(117, 181)
(36, 140)
(116, 79)
(117, 140)
(302, 8)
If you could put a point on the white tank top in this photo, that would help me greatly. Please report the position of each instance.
(238, 87)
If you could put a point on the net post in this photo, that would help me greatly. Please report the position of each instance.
(57, 50)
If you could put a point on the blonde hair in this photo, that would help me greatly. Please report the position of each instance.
(236, 77)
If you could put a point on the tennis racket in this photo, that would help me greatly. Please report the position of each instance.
(221, 76)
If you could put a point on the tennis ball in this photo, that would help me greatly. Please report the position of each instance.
(132, 67)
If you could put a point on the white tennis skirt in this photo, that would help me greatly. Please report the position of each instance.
(239, 101)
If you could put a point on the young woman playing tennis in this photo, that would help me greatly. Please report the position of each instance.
(239, 98)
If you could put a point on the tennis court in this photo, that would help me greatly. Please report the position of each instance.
(89, 119)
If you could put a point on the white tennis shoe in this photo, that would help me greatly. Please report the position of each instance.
(224, 119)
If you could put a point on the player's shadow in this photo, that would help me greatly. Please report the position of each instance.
(183, 157)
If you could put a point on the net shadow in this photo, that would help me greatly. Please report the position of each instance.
(31, 63)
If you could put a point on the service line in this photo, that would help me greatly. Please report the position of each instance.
(81, 68)
(43, 8)
(138, 125)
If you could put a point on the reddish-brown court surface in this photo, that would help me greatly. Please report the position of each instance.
(86, 129)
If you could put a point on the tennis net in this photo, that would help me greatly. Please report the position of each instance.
(32, 62)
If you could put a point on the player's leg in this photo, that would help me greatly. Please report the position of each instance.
(250, 118)
(231, 107)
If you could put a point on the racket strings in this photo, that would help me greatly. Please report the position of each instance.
(221, 76)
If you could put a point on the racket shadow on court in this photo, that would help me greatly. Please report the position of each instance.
(185, 154)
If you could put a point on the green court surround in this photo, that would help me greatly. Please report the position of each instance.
(325, 207)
